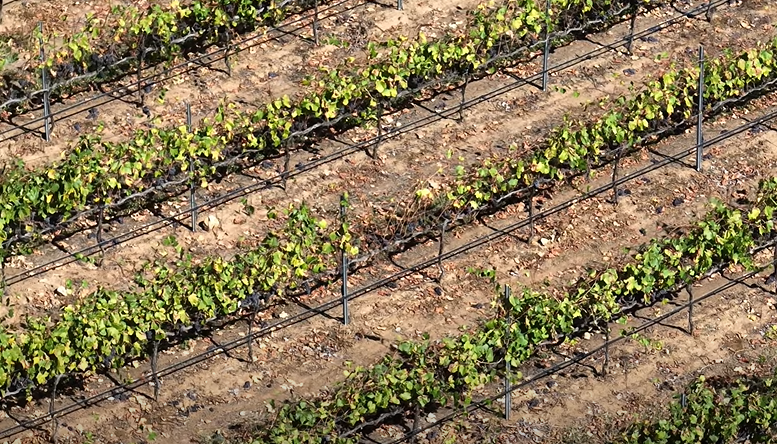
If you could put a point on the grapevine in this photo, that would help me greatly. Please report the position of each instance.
(445, 373)
(97, 173)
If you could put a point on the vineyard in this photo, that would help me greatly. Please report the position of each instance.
(349, 221)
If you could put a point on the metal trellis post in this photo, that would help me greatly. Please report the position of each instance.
(710, 11)
(286, 164)
(546, 53)
(2, 275)
(618, 154)
(252, 316)
(532, 191)
(192, 200)
(772, 278)
(400, 7)
(700, 111)
(508, 388)
(54, 419)
(439, 251)
(689, 289)
(100, 219)
(606, 349)
(630, 41)
(463, 93)
(416, 418)
(47, 120)
(344, 266)
(380, 131)
(141, 55)
(315, 22)
(154, 361)
(226, 55)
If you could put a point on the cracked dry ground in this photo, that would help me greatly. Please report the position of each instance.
(303, 359)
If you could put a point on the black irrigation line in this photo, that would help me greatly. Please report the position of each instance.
(320, 309)
(318, 126)
(199, 62)
(580, 358)
(349, 149)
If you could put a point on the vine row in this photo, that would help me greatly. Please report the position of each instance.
(97, 174)
(173, 295)
(284, 260)
(666, 105)
(714, 410)
(430, 374)
(127, 37)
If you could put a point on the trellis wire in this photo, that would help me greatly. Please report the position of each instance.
(124, 90)
(244, 190)
(382, 282)
(720, 105)
(352, 148)
(578, 358)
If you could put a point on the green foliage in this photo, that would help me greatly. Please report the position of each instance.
(108, 328)
(96, 171)
(715, 412)
(578, 145)
(445, 373)
(125, 30)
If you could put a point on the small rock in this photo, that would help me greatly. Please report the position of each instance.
(62, 291)
(212, 222)
(677, 201)
(629, 72)
(659, 209)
